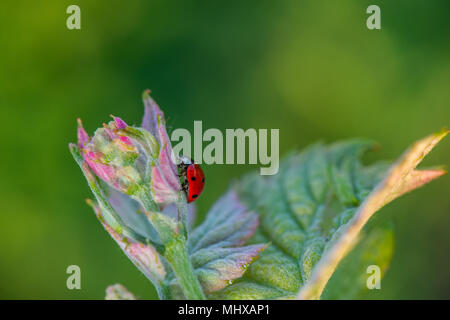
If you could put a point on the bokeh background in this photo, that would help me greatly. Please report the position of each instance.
(310, 68)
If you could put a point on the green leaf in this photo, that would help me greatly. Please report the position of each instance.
(216, 246)
(144, 256)
(349, 281)
(109, 214)
(312, 213)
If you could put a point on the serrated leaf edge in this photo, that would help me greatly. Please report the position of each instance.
(395, 184)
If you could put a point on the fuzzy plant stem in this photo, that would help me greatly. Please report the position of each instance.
(176, 254)
(175, 243)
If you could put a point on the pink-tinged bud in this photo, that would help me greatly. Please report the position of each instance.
(83, 137)
(134, 160)
(165, 180)
(112, 157)
(118, 292)
(103, 171)
(119, 122)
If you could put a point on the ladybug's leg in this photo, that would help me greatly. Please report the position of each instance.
(183, 175)
(185, 185)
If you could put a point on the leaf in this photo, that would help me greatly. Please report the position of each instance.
(144, 256)
(401, 178)
(131, 213)
(349, 281)
(312, 213)
(216, 246)
(227, 224)
(109, 215)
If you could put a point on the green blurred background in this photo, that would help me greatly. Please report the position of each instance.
(310, 68)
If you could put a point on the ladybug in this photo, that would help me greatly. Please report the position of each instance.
(194, 178)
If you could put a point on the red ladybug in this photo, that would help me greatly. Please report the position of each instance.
(194, 178)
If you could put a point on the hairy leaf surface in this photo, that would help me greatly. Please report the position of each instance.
(312, 213)
(216, 247)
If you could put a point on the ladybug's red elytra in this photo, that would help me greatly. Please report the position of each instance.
(194, 178)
